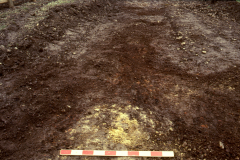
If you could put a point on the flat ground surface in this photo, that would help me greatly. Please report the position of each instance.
(120, 75)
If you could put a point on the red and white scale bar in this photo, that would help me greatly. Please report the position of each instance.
(117, 153)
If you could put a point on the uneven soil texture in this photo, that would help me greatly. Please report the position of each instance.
(144, 75)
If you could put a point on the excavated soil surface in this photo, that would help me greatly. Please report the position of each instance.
(124, 75)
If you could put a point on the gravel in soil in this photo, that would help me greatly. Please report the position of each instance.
(124, 75)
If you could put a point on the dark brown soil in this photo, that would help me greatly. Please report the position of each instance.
(101, 53)
(16, 3)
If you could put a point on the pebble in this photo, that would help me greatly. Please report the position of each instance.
(179, 37)
(204, 52)
(9, 50)
(221, 144)
(184, 144)
(3, 48)
(183, 43)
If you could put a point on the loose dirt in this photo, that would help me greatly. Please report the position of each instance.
(123, 75)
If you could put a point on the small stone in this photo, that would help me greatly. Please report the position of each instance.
(68, 106)
(15, 48)
(74, 53)
(180, 37)
(9, 50)
(182, 154)
(3, 48)
(184, 144)
(221, 144)
(204, 52)
(183, 43)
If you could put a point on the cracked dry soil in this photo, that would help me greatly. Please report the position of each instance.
(124, 75)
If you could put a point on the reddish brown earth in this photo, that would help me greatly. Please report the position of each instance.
(124, 75)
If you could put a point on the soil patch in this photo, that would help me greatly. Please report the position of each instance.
(123, 75)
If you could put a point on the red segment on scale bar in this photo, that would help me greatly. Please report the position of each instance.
(85, 152)
(156, 154)
(133, 153)
(65, 152)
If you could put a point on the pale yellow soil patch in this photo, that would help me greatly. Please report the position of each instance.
(116, 127)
